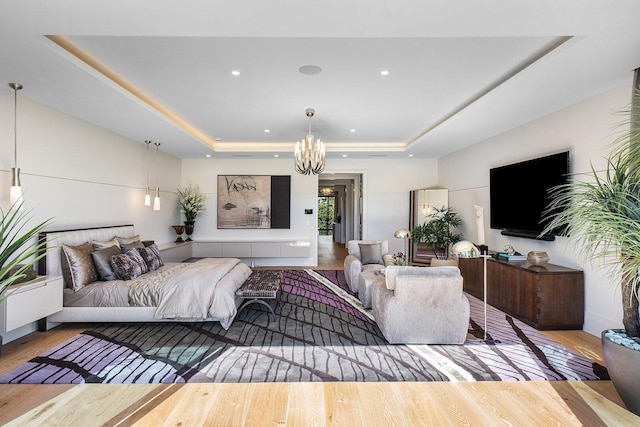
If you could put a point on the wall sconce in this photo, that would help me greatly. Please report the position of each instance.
(156, 199)
(16, 190)
(147, 194)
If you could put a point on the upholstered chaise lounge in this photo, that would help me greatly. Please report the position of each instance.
(418, 305)
(365, 255)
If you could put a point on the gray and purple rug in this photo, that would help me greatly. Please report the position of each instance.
(320, 334)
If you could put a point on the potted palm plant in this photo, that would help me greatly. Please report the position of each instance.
(437, 231)
(601, 217)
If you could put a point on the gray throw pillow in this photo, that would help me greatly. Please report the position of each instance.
(370, 253)
(124, 247)
(77, 266)
(102, 261)
(122, 240)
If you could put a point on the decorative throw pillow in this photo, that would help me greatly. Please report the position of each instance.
(129, 265)
(77, 265)
(151, 256)
(122, 240)
(370, 253)
(124, 247)
(102, 262)
(104, 245)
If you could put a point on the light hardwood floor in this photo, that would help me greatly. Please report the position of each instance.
(535, 403)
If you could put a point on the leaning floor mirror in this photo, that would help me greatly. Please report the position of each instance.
(423, 203)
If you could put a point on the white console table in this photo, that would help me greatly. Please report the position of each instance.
(30, 301)
(269, 251)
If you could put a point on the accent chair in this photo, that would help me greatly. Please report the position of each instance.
(365, 255)
(421, 305)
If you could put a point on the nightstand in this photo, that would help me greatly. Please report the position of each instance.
(30, 301)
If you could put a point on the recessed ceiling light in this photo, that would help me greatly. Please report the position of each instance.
(384, 72)
(267, 130)
(344, 155)
(208, 155)
(235, 72)
(218, 139)
(352, 130)
(276, 155)
(410, 155)
(309, 70)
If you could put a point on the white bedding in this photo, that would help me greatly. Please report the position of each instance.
(204, 290)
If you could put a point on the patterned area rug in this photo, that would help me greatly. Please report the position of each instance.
(321, 333)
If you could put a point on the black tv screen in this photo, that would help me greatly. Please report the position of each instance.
(520, 193)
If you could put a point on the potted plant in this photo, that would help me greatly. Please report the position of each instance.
(191, 202)
(601, 217)
(437, 231)
(17, 251)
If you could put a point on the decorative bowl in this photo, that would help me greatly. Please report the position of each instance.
(537, 258)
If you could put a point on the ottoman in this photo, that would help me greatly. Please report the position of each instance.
(366, 280)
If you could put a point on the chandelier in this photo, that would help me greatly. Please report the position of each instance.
(309, 154)
(326, 191)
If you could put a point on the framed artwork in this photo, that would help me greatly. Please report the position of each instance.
(254, 201)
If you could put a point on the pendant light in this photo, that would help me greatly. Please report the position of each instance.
(309, 156)
(156, 199)
(147, 194)
(16, 190)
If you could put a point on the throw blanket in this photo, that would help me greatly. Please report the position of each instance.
(202, 290)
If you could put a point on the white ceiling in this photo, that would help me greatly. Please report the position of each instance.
(459, 71)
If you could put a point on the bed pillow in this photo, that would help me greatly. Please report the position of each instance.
(129, 265)
(122, 240)
(104, 245)
(370, 253)
(77, 265)
(102, 262)
(151, 256)
(124, 247)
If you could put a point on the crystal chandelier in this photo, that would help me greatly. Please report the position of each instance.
(309, 154)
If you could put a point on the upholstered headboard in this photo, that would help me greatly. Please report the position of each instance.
(50, 265)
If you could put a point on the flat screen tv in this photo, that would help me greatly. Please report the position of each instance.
(520, 194)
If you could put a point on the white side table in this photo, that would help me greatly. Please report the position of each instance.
(30, 301)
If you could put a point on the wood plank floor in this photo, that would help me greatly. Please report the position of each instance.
(535, 403)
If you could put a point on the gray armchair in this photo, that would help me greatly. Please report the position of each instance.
(365, 255)
(421, 305)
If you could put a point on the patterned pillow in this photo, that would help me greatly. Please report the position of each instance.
(102, 261)
(129, 265)
(77, 266)
(151, 256)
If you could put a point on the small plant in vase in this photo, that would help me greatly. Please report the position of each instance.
(399, 259)
(192, 203)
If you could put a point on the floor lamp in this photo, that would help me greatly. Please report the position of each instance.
(405, 234)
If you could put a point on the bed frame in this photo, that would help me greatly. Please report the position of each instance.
(50, 265)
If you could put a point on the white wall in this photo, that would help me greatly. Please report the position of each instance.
(386, 196)
(83, 175)
(585, 129)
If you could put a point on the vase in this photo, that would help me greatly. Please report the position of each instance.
(537, 258)
(188, 228)
(179, 229)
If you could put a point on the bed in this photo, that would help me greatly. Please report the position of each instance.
(200, 291)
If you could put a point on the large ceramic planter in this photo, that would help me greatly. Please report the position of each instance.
(623, 365)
